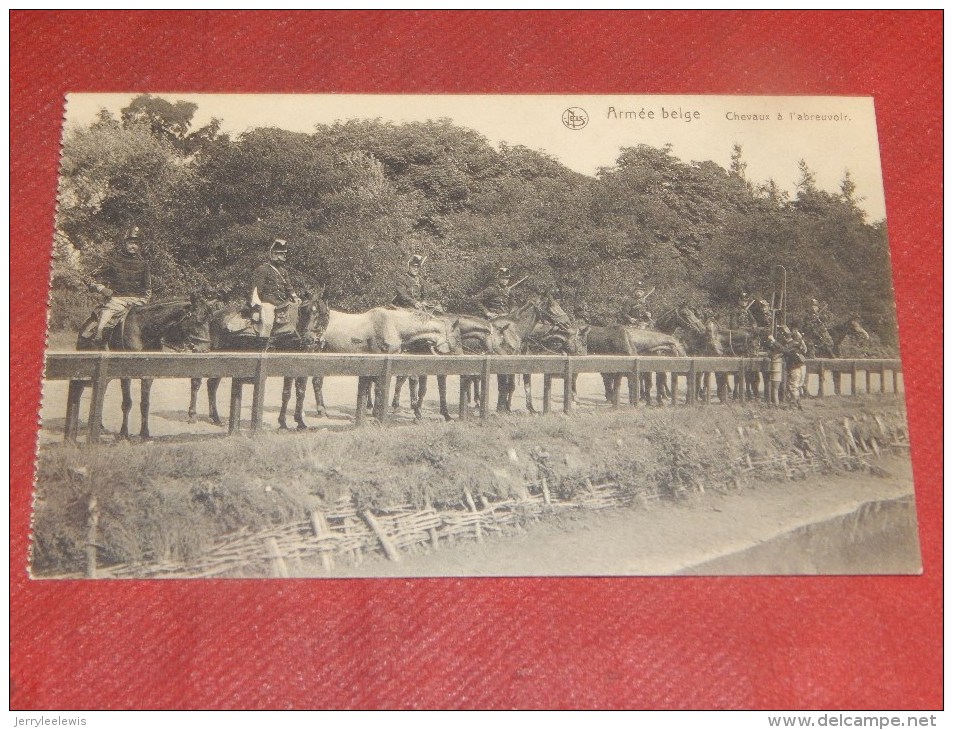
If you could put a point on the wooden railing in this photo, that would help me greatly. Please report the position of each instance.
(98, 368)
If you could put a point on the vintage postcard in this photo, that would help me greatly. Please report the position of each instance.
(471, 336)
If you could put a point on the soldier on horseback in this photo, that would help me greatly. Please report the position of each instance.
(635, 309)
(816, 327)
(411, 288)
(497, 299)
(125, 280)
(271, 287)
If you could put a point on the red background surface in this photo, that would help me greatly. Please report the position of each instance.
(815, 642)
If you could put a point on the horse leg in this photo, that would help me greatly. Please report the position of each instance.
(418, 388)
(442, 389)
(608, 384)
(317, 384)
(528, 392)
(126, 385)
(661, 387)
(301, 390)
(398, 386)
(211, 385)
(574, 378)
(285, 397)
(196, 384)
(501, 393)
(145, 386)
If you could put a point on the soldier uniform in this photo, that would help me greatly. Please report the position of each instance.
(496, 299)
(635, 310)
(128, 281)
(410, 289)
(271, 286)
(795, 352)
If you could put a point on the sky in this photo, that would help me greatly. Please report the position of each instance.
(832, 134)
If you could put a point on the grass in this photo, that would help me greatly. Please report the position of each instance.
(170, 501)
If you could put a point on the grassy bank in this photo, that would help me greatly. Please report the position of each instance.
(170, 501)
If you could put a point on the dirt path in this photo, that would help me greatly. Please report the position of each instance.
(763, 529)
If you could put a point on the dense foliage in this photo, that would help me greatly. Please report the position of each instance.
(356, 198)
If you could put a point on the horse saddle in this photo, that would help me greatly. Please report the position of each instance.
(242, 323)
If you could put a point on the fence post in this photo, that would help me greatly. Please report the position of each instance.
(381, 536)
(463, 411)
(896, 379)
(258, 393)
(278, 567)
(692, 372)
(363, 386)
(319, 525)
(383, 390)
(547, 392)
(634, 384)
(853, 377)
(742, 384)
(73, 398)
(235, 407)
(96, 400)
(485, 388)
(567, 385)
(708, 387)
(820, 380)
(674, 387)
(883, 377)
(868, 379)
(92, 537)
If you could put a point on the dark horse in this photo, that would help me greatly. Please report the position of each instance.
(822, 342)
(622, 339)
(180, 324)
(300, 331)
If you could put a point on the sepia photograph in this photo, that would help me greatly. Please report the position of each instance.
(357, 336)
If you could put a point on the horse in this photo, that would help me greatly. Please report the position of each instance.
(703, 339)
(299, 331)
(477, 336)
(384, 330)
(550, 339)
(183, 324)
(516, 328)
(622, 339)
(502, 335)
(827, 343)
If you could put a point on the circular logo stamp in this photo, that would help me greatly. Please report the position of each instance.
(575, 117)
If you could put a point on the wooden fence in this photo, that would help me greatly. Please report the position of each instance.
(98, 368)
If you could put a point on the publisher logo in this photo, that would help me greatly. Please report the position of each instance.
(575, 117)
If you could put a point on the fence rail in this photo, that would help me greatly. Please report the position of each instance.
(98, 368)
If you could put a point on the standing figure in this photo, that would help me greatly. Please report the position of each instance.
(776, 353)
(635, 309)
(795, 358)
(125, 280)
(742, 316)
(271, 289)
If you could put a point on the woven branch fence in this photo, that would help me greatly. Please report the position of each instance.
(343, 533)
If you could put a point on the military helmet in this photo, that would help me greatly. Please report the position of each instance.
(134, 233)
(416, 260)
(279, 245)
(503, 273)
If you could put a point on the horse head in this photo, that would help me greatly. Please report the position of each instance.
(550, 312)
(313, 318)
(452, 341)
(190, 327)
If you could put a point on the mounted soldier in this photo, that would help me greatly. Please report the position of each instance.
(125, 281)
(816, 327)
(271, 289)
(411, 288)
(496, 300)
(635, 310)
